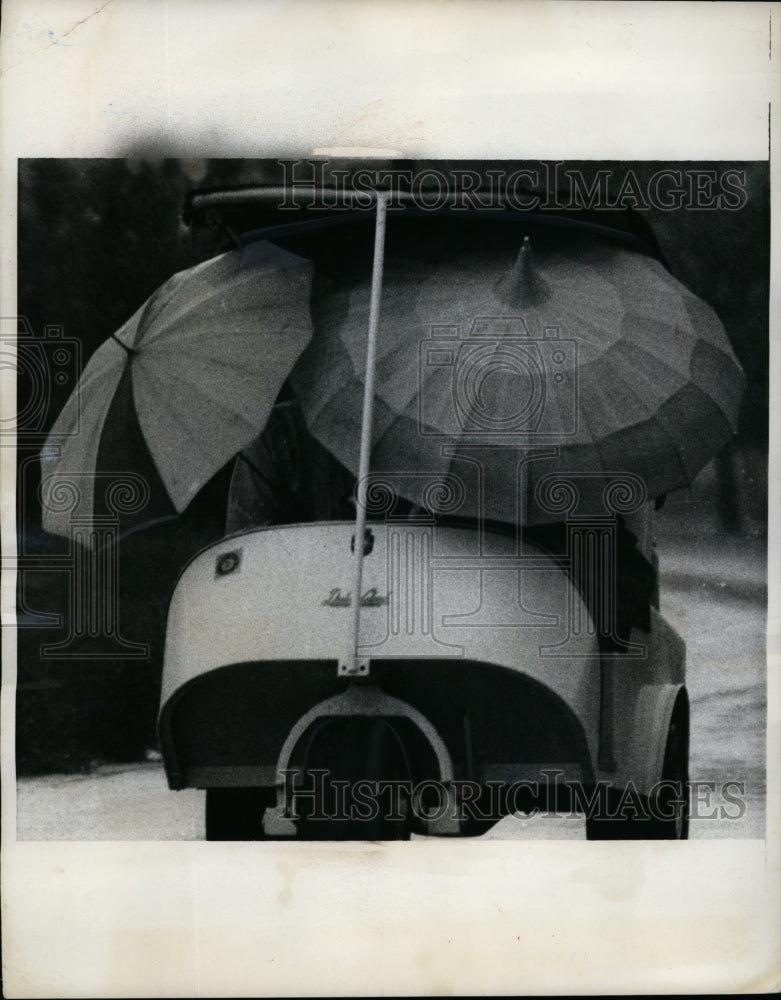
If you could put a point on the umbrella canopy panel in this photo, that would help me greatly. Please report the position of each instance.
(206, 356)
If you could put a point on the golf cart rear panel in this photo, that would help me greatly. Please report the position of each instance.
(470, 642)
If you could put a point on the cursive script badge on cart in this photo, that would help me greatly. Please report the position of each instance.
(371, 599)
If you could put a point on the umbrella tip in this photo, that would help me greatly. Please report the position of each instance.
(523, 286)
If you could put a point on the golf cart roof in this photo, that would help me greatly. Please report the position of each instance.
(249, 212)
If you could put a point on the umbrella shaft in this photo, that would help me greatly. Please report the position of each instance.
(355, 664)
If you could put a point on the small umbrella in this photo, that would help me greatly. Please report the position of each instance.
(189, 380)
(590, 362)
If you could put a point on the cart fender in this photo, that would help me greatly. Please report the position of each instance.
(650, 724)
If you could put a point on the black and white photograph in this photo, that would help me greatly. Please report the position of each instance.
(387, 525)
(559, 473)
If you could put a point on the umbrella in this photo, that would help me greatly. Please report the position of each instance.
(497, 375)
(184, 385)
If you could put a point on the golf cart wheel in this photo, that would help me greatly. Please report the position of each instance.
(664, 815)
(237, 813)
(670, 805)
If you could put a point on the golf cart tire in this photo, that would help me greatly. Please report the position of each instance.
(237, 813)
(664, 814)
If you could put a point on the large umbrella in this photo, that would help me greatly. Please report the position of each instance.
(190, 379)
(498, 379)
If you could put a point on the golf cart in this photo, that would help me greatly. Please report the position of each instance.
(481, 691)
(417, 673)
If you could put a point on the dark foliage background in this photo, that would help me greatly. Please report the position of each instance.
(95, 239)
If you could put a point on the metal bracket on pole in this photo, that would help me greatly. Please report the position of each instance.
(354, 665)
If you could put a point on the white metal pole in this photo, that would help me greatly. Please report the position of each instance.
(354, 663)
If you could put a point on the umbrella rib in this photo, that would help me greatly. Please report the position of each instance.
(678, 375)
(180, 374)
(186, 432)
(162, 400)
(161, 327)
(219, 337)
(206, 281)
